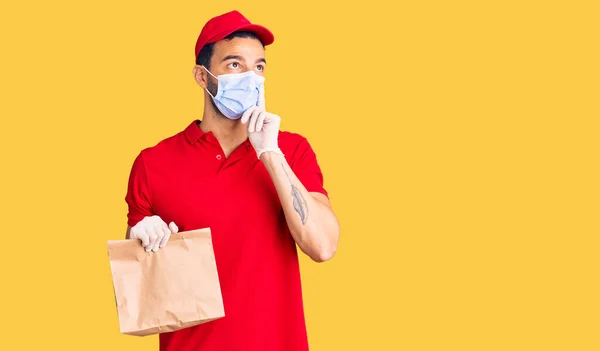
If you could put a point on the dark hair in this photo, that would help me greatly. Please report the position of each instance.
(205, 55)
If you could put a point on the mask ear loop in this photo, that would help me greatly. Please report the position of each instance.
(214, 77)
(210, 73)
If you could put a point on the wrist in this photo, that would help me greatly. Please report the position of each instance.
(268, 156)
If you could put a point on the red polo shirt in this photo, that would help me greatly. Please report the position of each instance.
(187, 179)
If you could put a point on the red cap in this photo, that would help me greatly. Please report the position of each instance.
(219, 27)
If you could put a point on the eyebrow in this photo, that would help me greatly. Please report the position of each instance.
(233, 57)
(240, 58)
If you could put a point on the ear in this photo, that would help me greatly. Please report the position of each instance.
(200, 75)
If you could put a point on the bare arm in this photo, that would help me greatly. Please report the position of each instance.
(309, 216)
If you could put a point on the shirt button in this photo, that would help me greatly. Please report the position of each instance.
(218, 157)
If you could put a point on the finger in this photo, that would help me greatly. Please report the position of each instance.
(173, 227)
(160, 234)
(260, 121)
(261, 97)
(253, 118)
(165, 240)
(246, 114)
(271, 118)
(153, 237)
(166, 235)
(141, 235)
(165, 229)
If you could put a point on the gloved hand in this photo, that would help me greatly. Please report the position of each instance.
(153, 232)
(263, 127)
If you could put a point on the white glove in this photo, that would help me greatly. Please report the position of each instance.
(153, 232)
(263, 127)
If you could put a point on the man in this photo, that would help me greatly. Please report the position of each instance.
(258, 189)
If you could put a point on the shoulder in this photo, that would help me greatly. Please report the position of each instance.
(291, 141)
(295, 147)
(162, 150)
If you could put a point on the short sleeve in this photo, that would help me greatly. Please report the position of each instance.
(307, 169)
(137, 198)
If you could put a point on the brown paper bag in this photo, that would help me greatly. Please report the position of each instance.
(173, 288)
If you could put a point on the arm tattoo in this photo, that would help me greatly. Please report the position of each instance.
(298, 200)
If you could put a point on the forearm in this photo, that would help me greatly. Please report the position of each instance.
(312, 223)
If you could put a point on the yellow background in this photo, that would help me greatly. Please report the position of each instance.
(459, 142)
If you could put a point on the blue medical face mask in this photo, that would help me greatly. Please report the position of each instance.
(237, 92)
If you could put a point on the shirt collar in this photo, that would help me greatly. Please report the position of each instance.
(193, 131)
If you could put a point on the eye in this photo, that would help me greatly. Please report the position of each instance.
(260, 68)
(234, 65)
